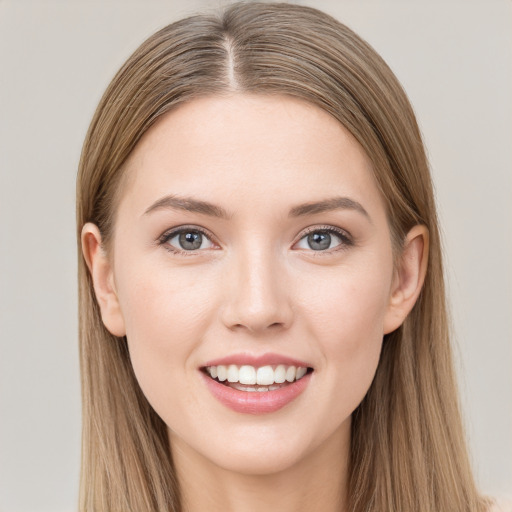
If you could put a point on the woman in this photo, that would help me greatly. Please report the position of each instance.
(263, 317)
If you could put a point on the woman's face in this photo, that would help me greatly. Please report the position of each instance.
(251, 232)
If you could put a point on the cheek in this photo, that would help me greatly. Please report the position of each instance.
(347, 321)
(348, 304)
(168, 303)
(165, 312)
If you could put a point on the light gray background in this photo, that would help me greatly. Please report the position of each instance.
(56, 58)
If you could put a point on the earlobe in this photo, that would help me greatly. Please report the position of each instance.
(409, 277)
(101, 272)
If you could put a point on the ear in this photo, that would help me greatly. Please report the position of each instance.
(103, 279)
(408, 277)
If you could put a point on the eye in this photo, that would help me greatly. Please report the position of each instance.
(186, 240)
(324, 239)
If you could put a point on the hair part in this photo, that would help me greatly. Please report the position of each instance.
(407, 447)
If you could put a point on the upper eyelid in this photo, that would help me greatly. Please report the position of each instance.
(323, 227)
(330, 229)
(302, 233)
(172, 232)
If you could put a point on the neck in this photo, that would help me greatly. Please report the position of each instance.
(317, 481)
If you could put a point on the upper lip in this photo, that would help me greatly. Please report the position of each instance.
(257, 361)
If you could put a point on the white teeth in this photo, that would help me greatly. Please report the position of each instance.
(243, 388)
(247, 375)
(280, 374)
(221, 373)
(232, 373)
(301, 372)
(291, 373)
(263, 376)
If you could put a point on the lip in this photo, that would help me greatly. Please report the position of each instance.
(255, 402)
(257, 361)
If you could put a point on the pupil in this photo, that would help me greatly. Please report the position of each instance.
(191, 240)
(319, 241)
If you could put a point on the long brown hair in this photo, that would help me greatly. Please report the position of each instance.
(407, 447)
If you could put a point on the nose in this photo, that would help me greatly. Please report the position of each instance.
(257, 294)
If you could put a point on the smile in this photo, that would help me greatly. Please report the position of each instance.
(252, 379)
(256, 385)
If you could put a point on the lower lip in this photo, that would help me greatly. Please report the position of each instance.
(256, 402)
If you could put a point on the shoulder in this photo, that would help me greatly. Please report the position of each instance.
(500, 505)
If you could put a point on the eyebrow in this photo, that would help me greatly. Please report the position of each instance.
(327, 205)
(190, 204)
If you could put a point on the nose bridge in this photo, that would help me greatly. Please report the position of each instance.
(258, 297)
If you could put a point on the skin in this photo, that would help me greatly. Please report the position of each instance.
(256, 286)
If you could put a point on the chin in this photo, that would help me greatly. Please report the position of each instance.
(259, 462)
(267, 450)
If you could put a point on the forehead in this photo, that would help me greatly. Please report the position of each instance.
(248, 150)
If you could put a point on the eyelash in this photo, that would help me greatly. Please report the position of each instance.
(344, 236)
(168, 235)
